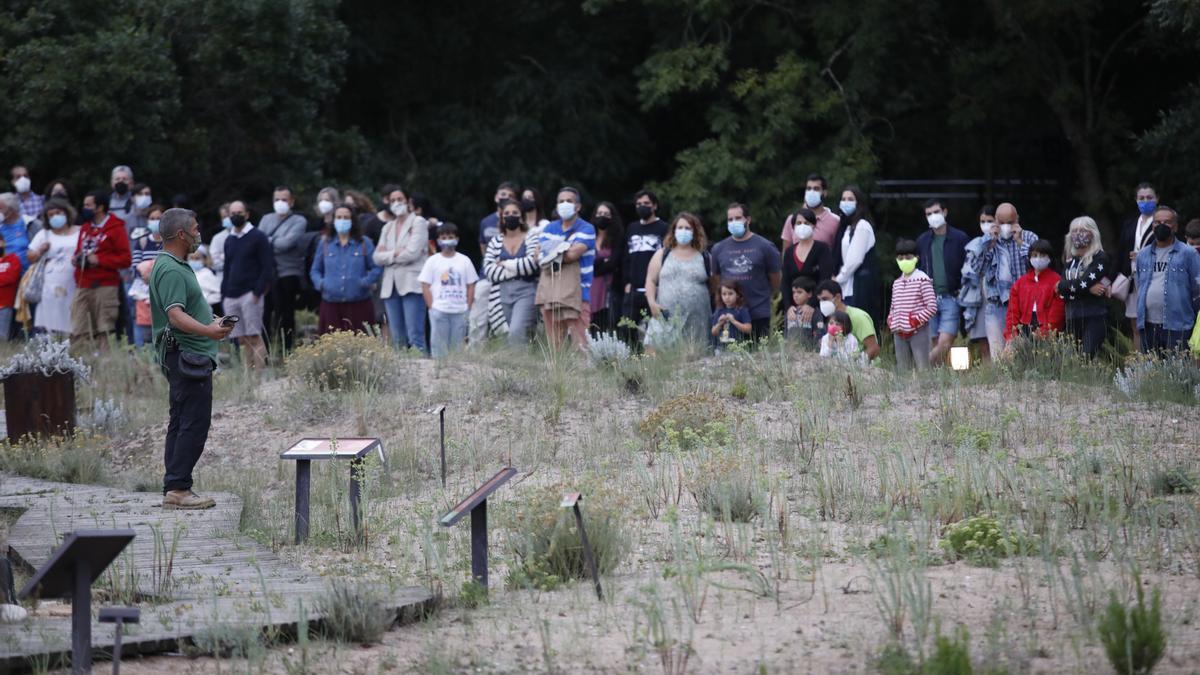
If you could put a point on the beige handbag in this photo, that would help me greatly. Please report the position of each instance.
(559, 290)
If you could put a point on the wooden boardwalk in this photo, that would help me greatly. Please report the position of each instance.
(218, 583)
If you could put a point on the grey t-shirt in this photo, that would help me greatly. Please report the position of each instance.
(1156, 295)
(748, 263)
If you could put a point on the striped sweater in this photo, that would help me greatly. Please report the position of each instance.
(913, 303)
(526, 266)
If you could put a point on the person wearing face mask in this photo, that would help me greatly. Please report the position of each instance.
(914, 303)
(825, 222)
(401, 255)
(1191, 234)
(807, 257)
(607, 285)
(643, 238)
(54, 246)
(680, 285)
(448, 283)
(486, 319)
(566, 251)
(751, 261)
(1005, 258)
(327, 198)
(249, 266)
(1137, 233)
(101, 253)
(1167, 277)
(32, 204)
(943, 250)
(510, 263)
(829, 296)
(285, 230)
(971, 293)
(121, 203)
(210, 285)
(216, 246)
(1084, 286)
(186, 335)
(854, 254)
(13, 228)
(1033, 305)
(146, 246)
(344, 271)
(531, 211)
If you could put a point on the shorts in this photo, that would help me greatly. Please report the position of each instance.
(95, 311)
(946, 319)
(249, 312)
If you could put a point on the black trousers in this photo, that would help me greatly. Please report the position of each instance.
(760, 328)
(1160, 341)
(191, 416)
(279, 312)
(633, 307)
(1090, 331)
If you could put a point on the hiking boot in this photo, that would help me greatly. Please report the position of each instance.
(186, 499)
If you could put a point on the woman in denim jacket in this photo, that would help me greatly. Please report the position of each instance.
(343, 272)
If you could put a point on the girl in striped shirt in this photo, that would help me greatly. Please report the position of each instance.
(914, 303)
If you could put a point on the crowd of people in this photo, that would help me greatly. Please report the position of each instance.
(77, 266)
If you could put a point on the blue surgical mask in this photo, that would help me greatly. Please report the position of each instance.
(342, 225)
(227, 223)
(1146, 208)
(848, 208)
(153, 226)
(736, 227)
(58, 221)
(196, 265)
(566, 210)
(447, 244)
(683, 236)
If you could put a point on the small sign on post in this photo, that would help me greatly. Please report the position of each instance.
(440, 411)
(308, 449)
(571, 500)
(476, 505)
(70, 572)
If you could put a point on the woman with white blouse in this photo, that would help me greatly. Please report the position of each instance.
(854, 254)
(402, 250)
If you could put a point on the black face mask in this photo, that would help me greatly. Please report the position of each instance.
(1162, 232)
(528, 205)
(121, 188)
(512, 222)
(86, 215)
(602, 222)
(644, 212)
(237, 219)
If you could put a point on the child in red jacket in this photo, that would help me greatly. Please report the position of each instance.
(1033, 302)
(10, 278)
(914, 303)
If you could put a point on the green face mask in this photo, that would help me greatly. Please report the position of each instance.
(907, 265)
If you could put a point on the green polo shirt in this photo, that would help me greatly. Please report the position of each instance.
(861, 325)
(173, 284)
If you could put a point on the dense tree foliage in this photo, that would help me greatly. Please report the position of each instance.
(707, 100)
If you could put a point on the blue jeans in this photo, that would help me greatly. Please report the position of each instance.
(995, 317)
(142, 335)
(1160, 341)
(516, 299)
(946, 319)
(448, 332)
(406, 320)
(6, 320)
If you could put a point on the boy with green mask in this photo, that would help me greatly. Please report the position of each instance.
(914, 303)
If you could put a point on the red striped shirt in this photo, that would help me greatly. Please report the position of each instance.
(912, 297)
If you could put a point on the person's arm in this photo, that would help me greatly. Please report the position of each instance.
(383, 255)
(1013, 316)
(744, 326)
(575, 252)
(37, 247)
(288, 234)
(492, 269)
(427, 294)
(183, 322)
(652, 282)
(113, 253)
(266, 268)
(826, 351)
(374, 272)
(1057, 319)
(717, 322)
(928, 303)
(317, 273)
(857, 252)
(773, 277)
(470, 295)
(414, 250)
(871, 347)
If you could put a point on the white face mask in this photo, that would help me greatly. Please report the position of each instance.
(985, 228)
(398, 208)
(1005, 231)
(566, 210)
(281, 207)
(812, 198)
(936, 220)
(324, 206)
(142, 201)
(1039, 263)
(827, 307)
(22, 184)
(804, 231)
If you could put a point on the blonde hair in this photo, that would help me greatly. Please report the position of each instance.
(1082, 223)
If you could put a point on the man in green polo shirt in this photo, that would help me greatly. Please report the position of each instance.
(829, 293)
(185, 338)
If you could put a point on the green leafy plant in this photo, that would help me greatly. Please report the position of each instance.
(545, 538)
(343, 361)
(981, 539)
(1176, 480)
(1134, 638)
(355, 613)
(726, 487)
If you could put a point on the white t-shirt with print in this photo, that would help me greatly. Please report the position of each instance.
(448, 279)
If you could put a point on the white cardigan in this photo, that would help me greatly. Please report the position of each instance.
(853, 254)
(402, 250)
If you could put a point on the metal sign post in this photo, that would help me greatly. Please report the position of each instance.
(440, 411)
(571, 500)
(309, 449)
(119, 616)
(70, 571)
(476, 505)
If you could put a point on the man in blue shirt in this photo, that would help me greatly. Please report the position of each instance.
(565, 242)
(1168, 287)
(12, 227)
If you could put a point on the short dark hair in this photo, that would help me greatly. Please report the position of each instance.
(906, 247)
(389, 188)
(284, 188)
(1173, 212)
(932, 202)
(447, 229)
(987, 210)
(100, 197)
(736, 288)
(1145, 186)
(421, 201)
(843, 320)
(808, 216)
(807, 284)
(1192, 231)
(831, 286)
(568, 188)
(646, 193)
(817, 177)
(1042, 246)
(510, 186)
(738, 205)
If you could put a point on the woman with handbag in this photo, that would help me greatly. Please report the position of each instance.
(50, 259)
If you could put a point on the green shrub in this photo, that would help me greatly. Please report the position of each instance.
(1053, 357)
(981, 539)
(1176, 480)
(545, 539)
(951, 655)
(687, 422)
(1170, 379)
(65, 459)
(726, 488)
(343, 361)
(355, 613)
(1134, 639)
